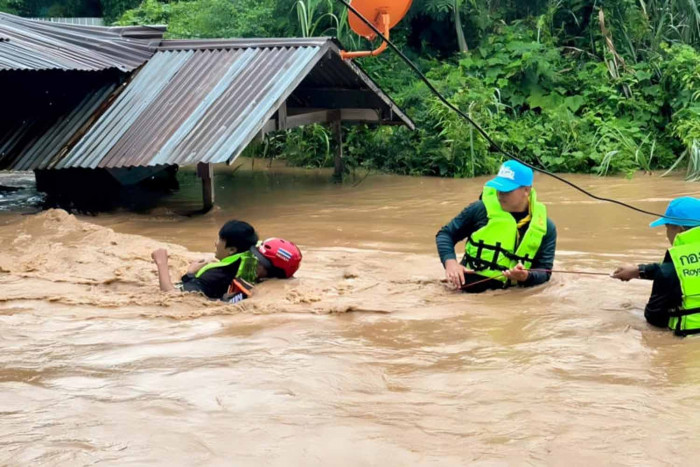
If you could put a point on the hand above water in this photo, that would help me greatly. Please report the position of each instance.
(626, 272)
(195, 266)
(454, 272)
(160, 256)
(518, 273)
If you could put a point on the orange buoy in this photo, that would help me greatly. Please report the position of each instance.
(384, 14)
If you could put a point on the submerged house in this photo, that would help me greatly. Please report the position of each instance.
(89, 103)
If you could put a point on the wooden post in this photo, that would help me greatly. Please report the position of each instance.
(338, 138)
(205, 171)
(282, 116)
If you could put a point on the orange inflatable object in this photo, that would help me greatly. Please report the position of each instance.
(384, 14)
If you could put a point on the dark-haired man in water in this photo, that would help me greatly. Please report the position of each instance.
(510, 239)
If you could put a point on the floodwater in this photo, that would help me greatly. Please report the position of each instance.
(366, 358)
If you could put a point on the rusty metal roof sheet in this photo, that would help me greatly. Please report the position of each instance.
(192, 106)
(38, 45)
(193, 101)
(36, 143)
(204, 101)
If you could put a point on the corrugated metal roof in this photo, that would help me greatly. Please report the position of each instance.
(333, 72)
(50, 146)
(226, 44)
(38, 45)
(84, 21)
(192, 106)
(197, 101)
(34, 144)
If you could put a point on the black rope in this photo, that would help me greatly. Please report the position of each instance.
(486, 136)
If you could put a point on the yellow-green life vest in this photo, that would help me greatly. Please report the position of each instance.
(685, 254)
(247, 270)
(496, 246)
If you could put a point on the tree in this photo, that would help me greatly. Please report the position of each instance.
(206, 18)
(439, 9)
(10, 6)
(51, 8)
(113, 9)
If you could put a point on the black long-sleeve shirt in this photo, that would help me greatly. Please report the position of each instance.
(214, 283)
(474, 217)
(666, 294)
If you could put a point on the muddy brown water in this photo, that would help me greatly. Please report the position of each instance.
(366, 358)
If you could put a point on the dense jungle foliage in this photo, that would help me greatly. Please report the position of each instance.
(598, 86)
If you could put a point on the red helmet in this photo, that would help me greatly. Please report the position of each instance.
(282, 255)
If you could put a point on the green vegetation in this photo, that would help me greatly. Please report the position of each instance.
(207, 18)
(109, 9)
(596, 86)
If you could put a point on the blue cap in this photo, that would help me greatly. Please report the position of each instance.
(511, 176)
(683, 211)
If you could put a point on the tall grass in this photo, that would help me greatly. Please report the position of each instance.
(673, 20)
(312, 18)
(692, 153)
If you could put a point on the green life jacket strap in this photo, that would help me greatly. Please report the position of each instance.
(247, 268)
(677, 313)
(479, 263)
(218, 264)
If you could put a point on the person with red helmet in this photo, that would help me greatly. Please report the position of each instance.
(233, 277)
(277, 258)
(233, 264)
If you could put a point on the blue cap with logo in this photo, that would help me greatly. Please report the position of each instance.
(511, 176)
(684, 211)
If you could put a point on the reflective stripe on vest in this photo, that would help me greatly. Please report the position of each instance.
(685, 254)
(247, 270)
(495, 248)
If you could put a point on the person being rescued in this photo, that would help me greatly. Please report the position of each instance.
(275, 258)
(240, 261)
(510, 239)
(675, 292)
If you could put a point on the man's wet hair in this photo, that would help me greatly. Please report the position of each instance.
(238, 234)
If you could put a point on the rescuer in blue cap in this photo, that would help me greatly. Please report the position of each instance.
(510, 240)
(675, 293)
